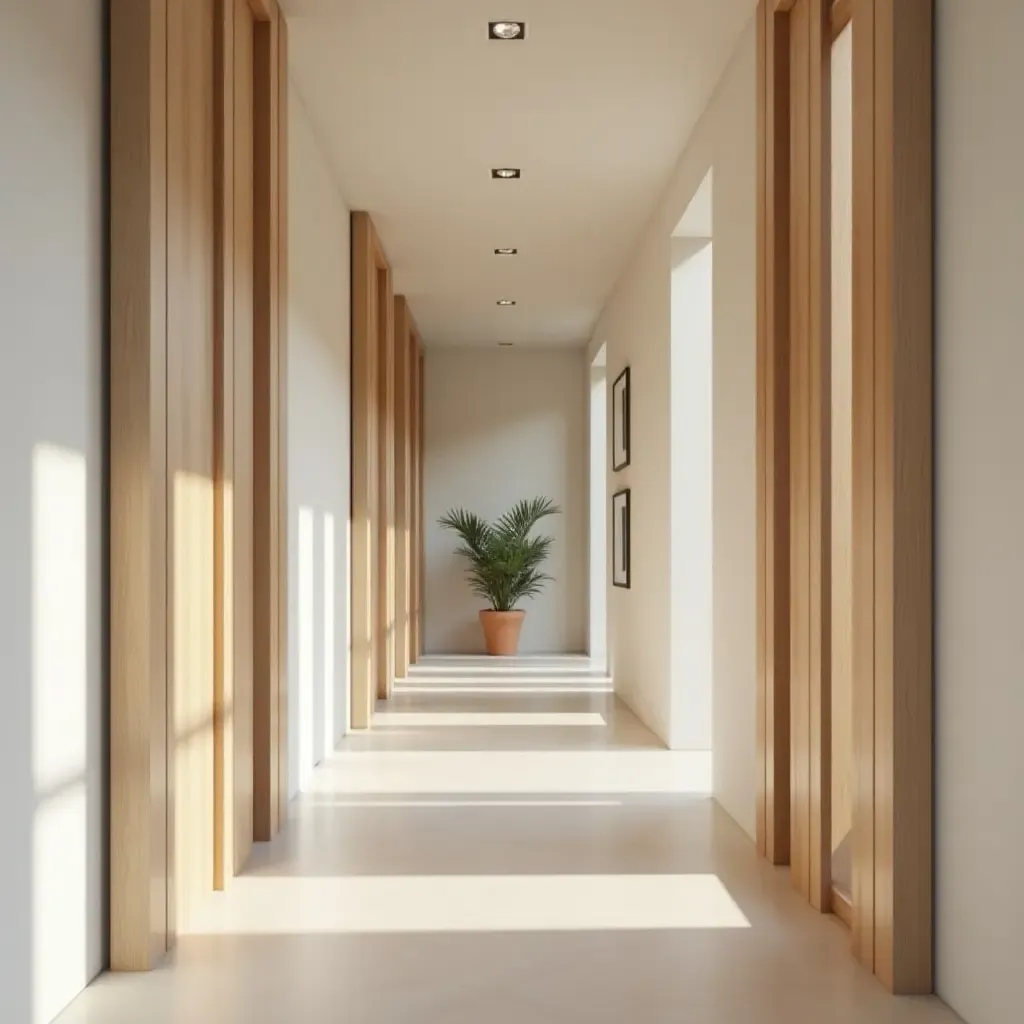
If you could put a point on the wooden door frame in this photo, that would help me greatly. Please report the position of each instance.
(892, 410)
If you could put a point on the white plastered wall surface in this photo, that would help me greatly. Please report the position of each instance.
(636, 324)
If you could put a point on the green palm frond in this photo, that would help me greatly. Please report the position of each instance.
(504, 560)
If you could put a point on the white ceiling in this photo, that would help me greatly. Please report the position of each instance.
(415, 106)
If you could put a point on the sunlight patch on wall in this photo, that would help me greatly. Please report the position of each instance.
(59, 723)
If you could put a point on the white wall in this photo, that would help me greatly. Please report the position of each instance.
(52, 730)
(636, 326)
(501, 425)
(979, 507)
(318, 452)
(692, 538)
(597, 484)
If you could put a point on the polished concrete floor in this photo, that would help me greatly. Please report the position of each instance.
(509, 844)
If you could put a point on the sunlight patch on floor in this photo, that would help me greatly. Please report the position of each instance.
(462, 903)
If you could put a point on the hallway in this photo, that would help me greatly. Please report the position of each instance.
(509, 844)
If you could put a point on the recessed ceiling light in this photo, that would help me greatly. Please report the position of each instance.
(506, 30)
(506, 252)
(506, 172)
(506, 302)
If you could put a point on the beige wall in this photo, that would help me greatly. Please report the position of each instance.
(636, 326)
(318, 451)
(979, 550)
(52, 465)
(501, 425)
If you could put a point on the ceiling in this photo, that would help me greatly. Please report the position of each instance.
(414, 106)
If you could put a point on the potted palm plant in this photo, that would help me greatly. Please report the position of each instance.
(504, 565)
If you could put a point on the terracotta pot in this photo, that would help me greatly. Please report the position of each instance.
(501, 632)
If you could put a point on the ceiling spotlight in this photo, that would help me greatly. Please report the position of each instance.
(506, 173)
(506, 252)
(506, 30)
(506, 302)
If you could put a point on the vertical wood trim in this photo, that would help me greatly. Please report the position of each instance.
(366, 259)
(762, 486)
(420, 523)
(414, 502)
(138, 474)
(800, 433)
(863, 442)
(903, 494)
(281, 140)
(403, 534)
(774, 568)
(267, 798)
(386, 578)
(223, 414)
(820, 454)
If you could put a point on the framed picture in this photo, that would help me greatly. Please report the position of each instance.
(620, 539)
(620, 421)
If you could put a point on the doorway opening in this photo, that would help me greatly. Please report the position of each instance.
(691, 475)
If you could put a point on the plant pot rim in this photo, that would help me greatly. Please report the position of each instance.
(494, 611)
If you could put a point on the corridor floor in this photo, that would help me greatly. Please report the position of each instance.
(508, 845)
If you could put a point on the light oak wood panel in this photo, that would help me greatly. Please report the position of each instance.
(138, 484)
(234, 362)
(369, 283)
(773, 412)
(420, 503)
(863, 463)
(842, 452)
(190, 434)
(819, 624)
(894, 388)
(403, 480)
(281, 142)
(267, 750)
(800, 437)
(842, 907)
(386, 565)
(415, 568)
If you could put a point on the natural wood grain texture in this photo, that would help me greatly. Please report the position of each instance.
(820, 459)
(415, 568)
(365, 481)
(282, 415)
(903, 495)
(138, 481)
(842, 907)
(840, 16)
(403, 480)
(234, 420)
(267, 798)
(800, 450)
(841, 132)
(420, 505)
(892, 443)
(190, 455)
(243, 565)
(773, 445)
(761, 485)
(863, 476)
(386, 578)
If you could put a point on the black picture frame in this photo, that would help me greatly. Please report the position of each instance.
(621, 539)
(621, 421)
